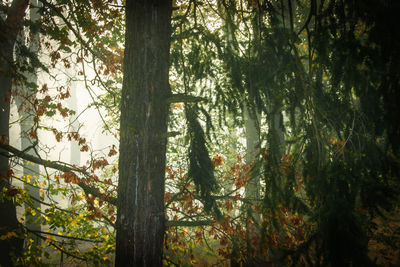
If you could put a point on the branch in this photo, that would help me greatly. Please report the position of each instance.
(173, 134)
(176, 98)
(47, 204)
(69, 25)
(86, 188)
(60, 248)
(308, 18)
(61, 167)
(63, 236)
(189, 223)
(64, 210)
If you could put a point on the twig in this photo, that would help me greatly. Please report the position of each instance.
(63, 236)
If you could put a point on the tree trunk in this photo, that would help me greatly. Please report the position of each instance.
(143, 134)
(8, 34)
(252, 130)
(26, 123)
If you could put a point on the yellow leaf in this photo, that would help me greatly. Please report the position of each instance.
(8, 235)
(48, 239)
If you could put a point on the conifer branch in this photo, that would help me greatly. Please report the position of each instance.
(176, 98)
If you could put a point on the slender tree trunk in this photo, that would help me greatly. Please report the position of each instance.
(72, 103)
(8, 34)
(143, 134)
(252, 129)
(30, 171)
(75, 152)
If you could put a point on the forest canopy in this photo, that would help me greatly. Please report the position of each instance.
(199, 133)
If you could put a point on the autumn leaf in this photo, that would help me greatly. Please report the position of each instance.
(112, 152)
(8, 236)
(12, 192)
(70, 177)
(228, 204)
(167, 196)
(217, 161)
(59, 136)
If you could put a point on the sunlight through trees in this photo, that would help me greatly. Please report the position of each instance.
(199, 133)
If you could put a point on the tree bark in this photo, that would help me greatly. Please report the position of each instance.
(143, 134)
(9, 30)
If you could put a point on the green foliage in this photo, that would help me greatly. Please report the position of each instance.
(201, 168)
(322, 75)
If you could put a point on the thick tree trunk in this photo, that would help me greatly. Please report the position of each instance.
(143, 134)
(8, 34)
